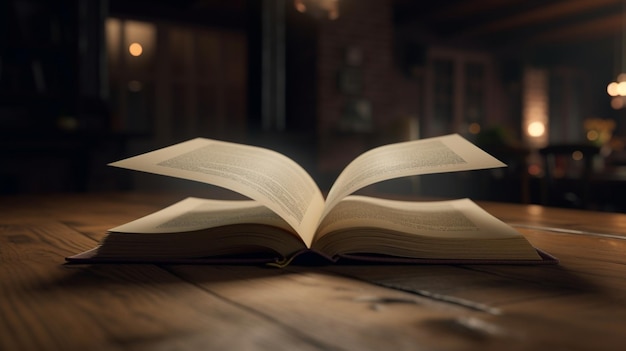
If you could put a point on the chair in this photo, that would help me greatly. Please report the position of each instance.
(567, 174)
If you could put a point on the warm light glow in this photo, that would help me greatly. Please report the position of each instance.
(536, 129)
(617, 102)
(318, 8)
(617, 88)
(535, 210)
(599, 130)
(139, 39)
(333, 14)
(300, 6)
(474, 128)
(113, 29)
(135, 49)
(611, 89)
(577, 155)
(621, 88)
(534, 170)
(535, 106)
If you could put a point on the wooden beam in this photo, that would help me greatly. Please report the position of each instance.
(545, 14)
(601, 27)
(465, 9)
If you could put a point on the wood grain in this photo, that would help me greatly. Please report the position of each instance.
(47, 305)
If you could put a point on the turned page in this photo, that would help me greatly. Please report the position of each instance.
(448, 153)
(193, 214)
(263, 175)
(439, 223)
(441, 219)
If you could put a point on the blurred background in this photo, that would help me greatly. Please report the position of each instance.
(536, 83)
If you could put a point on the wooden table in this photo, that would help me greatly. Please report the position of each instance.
(46, 304)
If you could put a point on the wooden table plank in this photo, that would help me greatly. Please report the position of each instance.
(552, 217)
(44, 304)
(48, 305)
(549, 305)
(345, 314)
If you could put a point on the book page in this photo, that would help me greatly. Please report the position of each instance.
(448, 153)
(441, 219)
(261, 174)
(438, 229)
(192, 214)
(201, 228)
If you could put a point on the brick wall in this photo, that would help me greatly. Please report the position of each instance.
(366, 26)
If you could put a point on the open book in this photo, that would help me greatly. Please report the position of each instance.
(287, 214)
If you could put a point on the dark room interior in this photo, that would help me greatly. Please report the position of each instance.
(449, 175)
(321, 81)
